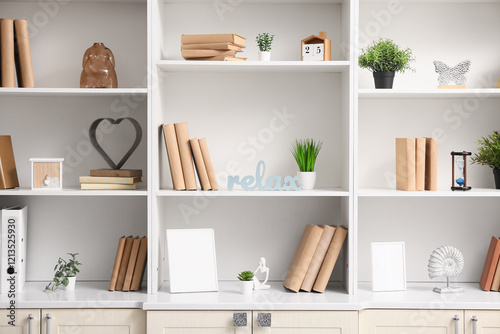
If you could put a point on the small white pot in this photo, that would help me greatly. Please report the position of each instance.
(71, 283)
(307, 179)
(265, 55)
(246, 287)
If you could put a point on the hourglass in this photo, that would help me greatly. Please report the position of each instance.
(459, 170)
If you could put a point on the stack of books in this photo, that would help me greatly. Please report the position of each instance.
(416, 164)
(180, 151)
(315, 258)
(110, 179)
(15, 54)
(218, 47)
(490, 278)
(130, 263)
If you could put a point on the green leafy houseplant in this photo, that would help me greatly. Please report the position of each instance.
(305, 152)
(264, 41)
(488, 151)
(245, 276)
(385, 56)
(63, 270)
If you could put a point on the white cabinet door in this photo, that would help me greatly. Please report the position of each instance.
(93, 321)
(22, 321)
(410, 321)
(302, 322)
(199, 322)
(482, 322)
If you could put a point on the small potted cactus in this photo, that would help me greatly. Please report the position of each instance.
(246, 281)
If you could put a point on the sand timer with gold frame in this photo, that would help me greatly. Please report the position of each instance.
(459, 170)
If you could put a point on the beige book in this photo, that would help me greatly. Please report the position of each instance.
(116, 172)
(123, 265)
(303, 257)
(218, 58)
(211, 46)
(208, 164)
(213, 38)
(495, 286)
(431, 164)
(140, 265)
(318, 257)
(200, 164)
(24, 66)
(174, 158)
(207, 53)
(7, 58)
(181, 131)
(104, 186)
(131, 264)
(405, 164)
(110, 180)
(330, 259)
(420, 144)
(116, 266)
(8, 171)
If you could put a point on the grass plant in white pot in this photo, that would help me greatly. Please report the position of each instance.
(305, 152)
(65, 273)
(246, 282)
(264, 42)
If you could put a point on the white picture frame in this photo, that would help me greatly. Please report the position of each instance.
(191, 252)
(388, 266)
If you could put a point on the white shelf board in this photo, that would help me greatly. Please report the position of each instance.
(71, 191)
(480, 93)
(253, 66)
(311, 2)
(72, 92)
(84, 1)
(331, 192)
(416, 2)
(385, 192)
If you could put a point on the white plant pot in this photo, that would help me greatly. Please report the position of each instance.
(307, 179)
(246, 287)
(265, 55)
(71, 283)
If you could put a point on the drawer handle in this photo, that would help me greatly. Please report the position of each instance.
(239, 319)
(264, 319)
(47, 323)
(474, 325)
(30, 323)
(456, 319)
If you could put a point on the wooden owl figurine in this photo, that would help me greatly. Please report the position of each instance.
(98, 68)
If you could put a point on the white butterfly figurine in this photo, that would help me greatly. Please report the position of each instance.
(455, 74)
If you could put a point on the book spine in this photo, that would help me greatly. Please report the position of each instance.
(181, 132)
(127, 249)
(495, 285)
(131, 264)
(24, 64)
(206, 53)
(200, 164)
(140, 265)
(208, 164)
(109, 180)
(431, 164)
(102, 186)
(116, 172)
(174, 158)
(8, 65)
(420, 145)
(116, 266)
(213, 38)
(405, 164)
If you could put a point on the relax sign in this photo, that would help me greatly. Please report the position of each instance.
(250, 182)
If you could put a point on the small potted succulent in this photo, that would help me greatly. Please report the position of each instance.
(384, 59)
(264, 42)
(305, 152)
(489, 154)
(65, 273)
(246, 282)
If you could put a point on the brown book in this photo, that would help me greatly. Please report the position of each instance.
(182, 134)
(208, 164)
(330, 259)
(420, 144)
(110, 180)
(8, 171)
(116, 266)
(123, 265)
(107, 186)
(140, 265)
(174, 158)
(116, 172)
(490, 265)
(431, 164)
(219, 58)
(405, 164)
(24, 67)
(303, 257)
(213, 38)
(495, 285)
(211, 46)
(200, 164)
(131, 264)
(7, 58)
(186, 54)
(318, 257)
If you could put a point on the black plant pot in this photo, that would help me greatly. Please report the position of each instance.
(384, 79)
(496, 174)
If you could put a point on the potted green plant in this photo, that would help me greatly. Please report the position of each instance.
(65, 273)
(246, 282)
(489, 154)
(384, 59)
(305, 152)
(264, 42)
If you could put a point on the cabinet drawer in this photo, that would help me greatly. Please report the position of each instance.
(22, 321)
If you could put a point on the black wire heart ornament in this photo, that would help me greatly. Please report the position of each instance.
(104, 155)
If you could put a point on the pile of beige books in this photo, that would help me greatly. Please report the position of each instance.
(111, 179)
(130, 263)
(416, 164)
(214, 47)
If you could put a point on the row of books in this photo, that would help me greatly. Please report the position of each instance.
(315, 258)
(416, 164)
(180, 151)
(110, 179)
(218, 47)
(130, 263)
(15, 54)
(490, 278)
